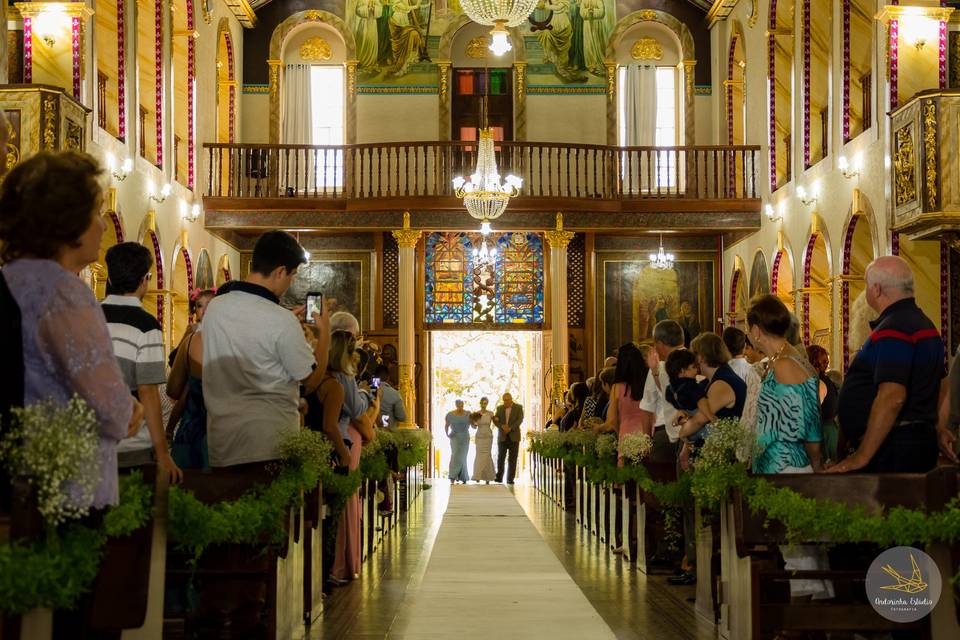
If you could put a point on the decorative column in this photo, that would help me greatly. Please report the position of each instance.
(275, 66)
(559, 239)
(443, 82)
(611, 103)
(689, 122)
(407, 240)
(519, 101)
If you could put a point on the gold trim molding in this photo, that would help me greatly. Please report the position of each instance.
(895, 12)
(443, 71)
(557, 237)
(903, 167)
(407, 238)
(478, 48)
(930, 151)
(72, 9)
(316, 49)
(646, 49)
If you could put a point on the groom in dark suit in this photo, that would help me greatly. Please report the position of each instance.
(508, 418)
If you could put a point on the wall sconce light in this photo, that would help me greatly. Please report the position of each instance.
(164, 192)
(844, 165)
(122, 171)
(51, 22)
(805, 198)
(771, 213)
(190, 213)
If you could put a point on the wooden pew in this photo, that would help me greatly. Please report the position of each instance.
(258, 590)
(643, 508)
(313, 555)
(126, 598)
(755, 594)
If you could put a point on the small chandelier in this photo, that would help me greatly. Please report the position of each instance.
(499, 14)
(661, 260)
(484, 196)
(484, 255)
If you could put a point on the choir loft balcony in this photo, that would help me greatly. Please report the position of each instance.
(703, 188)
(925, 176)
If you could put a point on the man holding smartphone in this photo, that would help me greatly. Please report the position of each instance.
(255, 357)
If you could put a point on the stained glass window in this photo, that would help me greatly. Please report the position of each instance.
(461, 289)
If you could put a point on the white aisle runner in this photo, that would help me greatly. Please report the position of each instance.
(492, 576)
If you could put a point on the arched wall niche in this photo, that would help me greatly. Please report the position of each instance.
(299, 35)
(783, 273)
(816, 319)
(670, 47)
(738, 294)
(181, 284)
(112, 235)
(203, 274)
(859, 249)
(224, 273)
(736, 87)
(463, 28)
(759, 275)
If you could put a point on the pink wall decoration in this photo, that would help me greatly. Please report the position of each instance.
(734, 290)
(233, 89)
(846, 72)
(27, 49)
(76, 51)
(775, 272)
(158, 259)
(121, 74)
(845, 291)
(807, 264)
(191, 88)
(806, 83)
(894, 57)
(158, 50)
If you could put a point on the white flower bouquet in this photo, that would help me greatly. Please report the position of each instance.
(606, 445)
(634, 447)
(54, 448)
(729, 441)
(303, 445)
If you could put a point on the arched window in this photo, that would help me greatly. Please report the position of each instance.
(818, 27)
(111, 83)
(780, 88)
(858, 81)
(150, 80)
(226, 84)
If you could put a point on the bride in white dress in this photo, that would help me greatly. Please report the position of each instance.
(483, 462)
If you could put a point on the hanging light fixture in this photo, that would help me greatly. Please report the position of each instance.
(661, 260)
(484, 195)
(499, 14)
(484, 255)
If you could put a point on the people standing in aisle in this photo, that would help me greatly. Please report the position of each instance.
(508, 419)
(391, 403)
(736, 341)
(138, 346)
(895, 385)
(457, 427)
(50, 230)
(483, 470)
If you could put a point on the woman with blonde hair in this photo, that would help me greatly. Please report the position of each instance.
(357, 416)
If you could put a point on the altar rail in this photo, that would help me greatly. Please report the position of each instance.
(427, 169)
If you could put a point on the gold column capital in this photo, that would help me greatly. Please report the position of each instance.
(558, 238)
(407, 238)
(275, 63)
(72, 9)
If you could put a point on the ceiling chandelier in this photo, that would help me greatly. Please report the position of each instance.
(484, 196)
(484, 255)
(499, 14)
(661, 260)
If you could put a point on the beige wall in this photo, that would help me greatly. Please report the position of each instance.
(581, 119)
(255, 126)
(396, 118)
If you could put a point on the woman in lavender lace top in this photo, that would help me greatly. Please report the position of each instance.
(50, 229)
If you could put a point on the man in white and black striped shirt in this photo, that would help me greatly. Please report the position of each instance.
(138, 345)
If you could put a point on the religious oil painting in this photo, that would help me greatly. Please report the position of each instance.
(398, 42)
(342, 277)
(472, 279)
(634, 296)
(759, 276)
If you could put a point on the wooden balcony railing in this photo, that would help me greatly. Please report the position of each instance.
(418, 169)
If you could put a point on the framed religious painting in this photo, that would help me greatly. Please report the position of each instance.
(342, 276)
(632, 297)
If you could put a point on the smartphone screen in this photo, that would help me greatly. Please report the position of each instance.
(314, 304)
(375, 384)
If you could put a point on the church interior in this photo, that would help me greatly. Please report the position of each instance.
(653, 159)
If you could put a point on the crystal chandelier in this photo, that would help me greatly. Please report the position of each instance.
(499, 14)
(484, 255)
(484, 196)
(661, 260)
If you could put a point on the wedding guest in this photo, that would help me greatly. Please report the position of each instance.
(483, 441)
(752, 355)
(255, 357)
(578, 396)
(138, 346)
(890, 398)
(50, 229)
(829, 400)
(726, 391)
(788, 423)
(862, 316)
(593, 405)
(188, 422)
(736, 342)
(391, 404)
(357, 416)
(606, 378)
(609, 362)
(658, 414)
(457, 427)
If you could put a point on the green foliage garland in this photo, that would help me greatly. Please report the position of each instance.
(804, 518)
(56, 571)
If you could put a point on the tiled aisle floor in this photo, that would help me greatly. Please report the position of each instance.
(632, 605)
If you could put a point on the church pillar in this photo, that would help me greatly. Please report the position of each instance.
(407, 240)
(350, 132)
(558, 240)
(520, 101)
(443, 77)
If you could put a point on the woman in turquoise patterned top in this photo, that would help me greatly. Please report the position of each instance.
(788, 408)
(788, 425)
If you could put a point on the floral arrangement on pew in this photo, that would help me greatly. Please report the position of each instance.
(53, 448)
(304, 462)
(723, 465)
(635, 447)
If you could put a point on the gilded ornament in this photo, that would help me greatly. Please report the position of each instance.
(521, 78)
(903, 167)
(954, 59)
(313, 15)
(611, 80)
(49, 122)
(406, 237)
(11, 155)
(74, 139)
(478, 48)
(646, 49)
(408, 392)
(559, 372)
(648, 14)
(315, 49)
(754, 14)
(352, 78)
(930, 152)
(558, 238)
(443, 70)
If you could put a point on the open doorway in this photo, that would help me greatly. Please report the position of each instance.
(470, 365)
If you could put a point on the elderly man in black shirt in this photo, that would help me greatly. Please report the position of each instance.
(890, 398)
